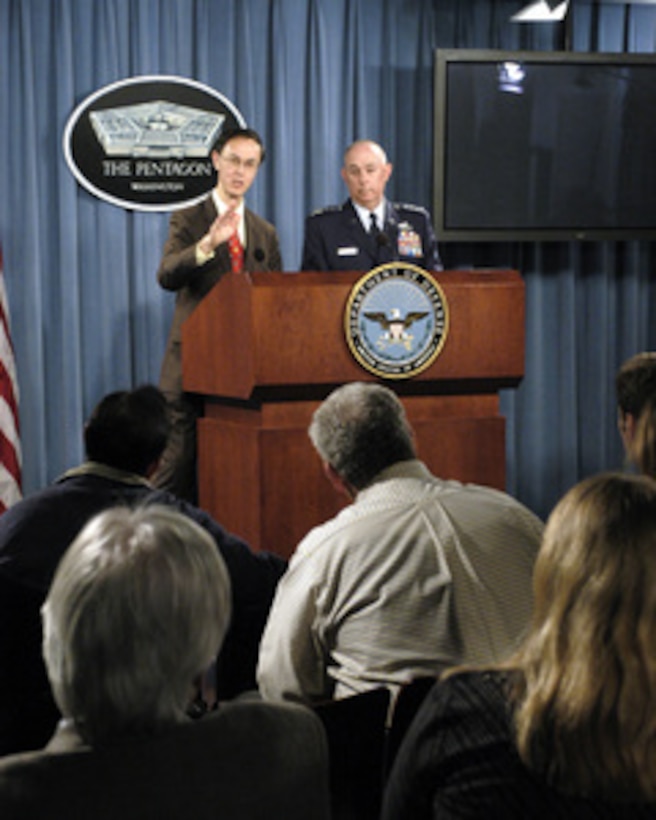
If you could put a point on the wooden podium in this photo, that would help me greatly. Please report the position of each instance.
(264, 349)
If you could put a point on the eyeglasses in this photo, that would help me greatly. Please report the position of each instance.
(237, 162)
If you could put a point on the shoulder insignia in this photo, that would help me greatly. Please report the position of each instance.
(329, 209)
(408, 206)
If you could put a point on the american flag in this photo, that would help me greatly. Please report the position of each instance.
(10, 447)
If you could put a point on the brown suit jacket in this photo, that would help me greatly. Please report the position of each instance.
(248, 761)
(178, 271)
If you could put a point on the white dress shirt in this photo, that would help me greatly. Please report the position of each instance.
(364, 215)
(416, 575)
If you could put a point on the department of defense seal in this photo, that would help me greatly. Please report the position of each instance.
(396, 320)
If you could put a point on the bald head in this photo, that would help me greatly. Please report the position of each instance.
(367, 145)
(365, 173)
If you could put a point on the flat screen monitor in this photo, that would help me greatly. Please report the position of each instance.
(544, 145)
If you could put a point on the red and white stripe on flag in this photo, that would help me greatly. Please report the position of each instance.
(10, 447)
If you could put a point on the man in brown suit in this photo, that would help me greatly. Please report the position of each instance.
(205, 242)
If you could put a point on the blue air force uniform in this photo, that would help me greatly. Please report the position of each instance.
(335, 239)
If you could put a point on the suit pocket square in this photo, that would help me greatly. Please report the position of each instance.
(347, 251)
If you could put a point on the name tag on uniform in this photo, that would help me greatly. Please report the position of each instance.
(347, 251)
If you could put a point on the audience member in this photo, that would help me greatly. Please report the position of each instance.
(124, 439)
(642, 446)
(567, 727)
(368, 230)
(635, 383)
(136, 612)
(205, 242)
(416, 575)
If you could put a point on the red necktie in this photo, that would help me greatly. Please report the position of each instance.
(236, 253)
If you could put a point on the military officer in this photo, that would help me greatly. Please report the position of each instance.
(368, 230)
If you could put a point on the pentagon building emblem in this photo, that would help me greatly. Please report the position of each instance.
(145, 143)
(396, 320)
(158, 129)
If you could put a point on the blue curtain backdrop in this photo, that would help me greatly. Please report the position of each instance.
(310, 75)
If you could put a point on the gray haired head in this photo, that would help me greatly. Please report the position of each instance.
(360, 430)
(137, 611)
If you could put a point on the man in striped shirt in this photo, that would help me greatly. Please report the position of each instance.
(417, 574)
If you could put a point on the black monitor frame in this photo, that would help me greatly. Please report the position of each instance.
(445, 182)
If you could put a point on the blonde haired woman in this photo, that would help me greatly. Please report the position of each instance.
(568, 727)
